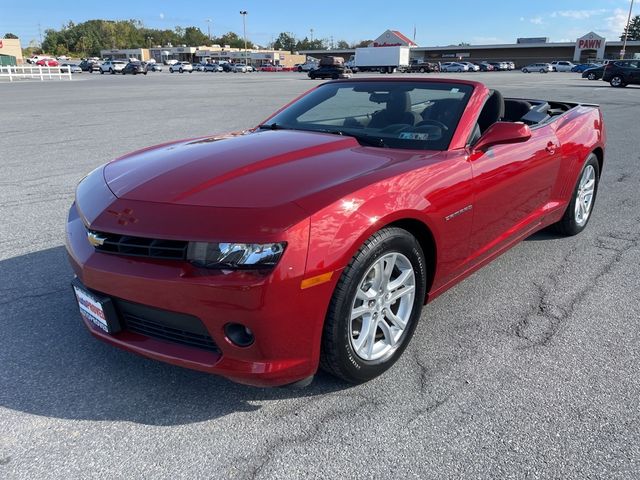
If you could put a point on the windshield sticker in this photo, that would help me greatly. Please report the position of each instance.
(414, 136)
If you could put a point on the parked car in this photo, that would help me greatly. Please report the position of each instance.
(89, 66)
(213, 67)
(181, 67)
(485, 67)
(154, 67)
(172, 61)
(622, 73)
(538, 67)
(423, 67)
(511, 65)
(562, 66)
(307, 66)
(112, 66)
(329, 71)
(584, 66)
(240, 68)
(134, 68)
(499, 66)
(453, 67)
(36, 58)
(472, 67)
(227, 67)
(47, 62)
(323, 252)
(594, 73)
(71, 66)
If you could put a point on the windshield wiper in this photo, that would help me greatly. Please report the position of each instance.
(360, 137)
(271, 126)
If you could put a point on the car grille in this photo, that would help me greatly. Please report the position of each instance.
(164, 325)
(141, 247)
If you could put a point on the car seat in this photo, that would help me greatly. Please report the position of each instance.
(398, 110)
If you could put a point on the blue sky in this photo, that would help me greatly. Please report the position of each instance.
(437, 23)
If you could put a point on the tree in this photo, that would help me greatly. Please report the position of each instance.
(306, 44)
(362, 43)
(634, 29)
(342, 45)
(9, 35)
(194, 37)
(233, 40)
(285, 42)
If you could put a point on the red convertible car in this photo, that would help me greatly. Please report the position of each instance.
(316, 238)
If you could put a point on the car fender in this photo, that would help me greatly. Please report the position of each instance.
(340, 229)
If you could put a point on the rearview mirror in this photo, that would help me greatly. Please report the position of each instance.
(501, 133)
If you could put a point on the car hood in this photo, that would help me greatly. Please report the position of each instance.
(255, 170)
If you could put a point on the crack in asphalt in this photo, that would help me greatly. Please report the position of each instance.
(28, 296)
(271, 449)
(543, 321)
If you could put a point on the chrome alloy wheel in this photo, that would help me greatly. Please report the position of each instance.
(584, 195)
(382, 306)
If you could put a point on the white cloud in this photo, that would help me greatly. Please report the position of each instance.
(536, 20)
(578, 14)
(522, 19)
(616, 22)
(161, 16)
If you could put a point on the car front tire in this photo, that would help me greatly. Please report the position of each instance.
(578, 212)
(375, 307)
(591, 76)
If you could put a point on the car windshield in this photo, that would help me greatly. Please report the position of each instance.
(408, 115)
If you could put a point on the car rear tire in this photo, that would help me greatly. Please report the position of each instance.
(578, 212)
(617, 82)
(375, 307)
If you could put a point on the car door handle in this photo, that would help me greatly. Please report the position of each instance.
(551, 148)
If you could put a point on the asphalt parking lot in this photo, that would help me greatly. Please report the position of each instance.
(528, 369)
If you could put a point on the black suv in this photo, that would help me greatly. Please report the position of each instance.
(134, 68)
(621, 73)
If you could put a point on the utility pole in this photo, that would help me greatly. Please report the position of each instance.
(40, 34)
(312, 34)
(244, 31)
(209, 29)
(626, 33)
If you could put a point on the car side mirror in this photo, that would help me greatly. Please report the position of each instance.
(501, 133)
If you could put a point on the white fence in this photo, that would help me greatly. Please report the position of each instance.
(35, 72)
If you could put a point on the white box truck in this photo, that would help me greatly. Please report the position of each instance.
(382, 59)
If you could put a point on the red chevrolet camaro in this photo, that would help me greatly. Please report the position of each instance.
(316, 238)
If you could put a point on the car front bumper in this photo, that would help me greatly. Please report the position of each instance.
(285, 319)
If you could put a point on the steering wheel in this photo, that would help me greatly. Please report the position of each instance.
(432, 122)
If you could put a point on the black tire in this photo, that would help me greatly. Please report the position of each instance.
(337, 354)
(299, 69)
(542, 70)
(180, 70)
(567, 224)
(524, 70)
(111, 71)
(591, 76)
(617, 81)
(101, 72)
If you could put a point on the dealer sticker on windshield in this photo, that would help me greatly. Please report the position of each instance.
(91, 309)
(414, 136)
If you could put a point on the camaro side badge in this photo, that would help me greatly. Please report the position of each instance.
(95, 239)
(459, 212)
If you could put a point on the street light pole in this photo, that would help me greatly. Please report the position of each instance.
(209, 29)
(244, 31)
(626, 33)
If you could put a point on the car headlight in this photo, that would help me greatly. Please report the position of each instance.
(235, 255)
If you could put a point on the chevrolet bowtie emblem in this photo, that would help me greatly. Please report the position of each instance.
(95, 239)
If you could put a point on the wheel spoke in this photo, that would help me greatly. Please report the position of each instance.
(395, 319)
(388, 333)
(365, 295)
(398, 282)
(388, 270)
(367, 335)
(401, 292)
(359, 311)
